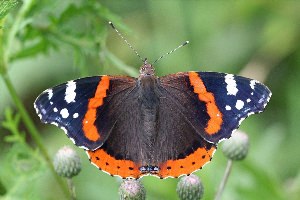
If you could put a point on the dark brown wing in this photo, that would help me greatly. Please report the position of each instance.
(179, 149)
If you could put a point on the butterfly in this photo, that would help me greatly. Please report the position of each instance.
(163, 126)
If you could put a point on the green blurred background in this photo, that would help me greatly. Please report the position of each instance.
(61, 40)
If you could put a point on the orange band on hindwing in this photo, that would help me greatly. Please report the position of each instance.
(109, 164)
(187, 165)
(88, 126)
(215, 121)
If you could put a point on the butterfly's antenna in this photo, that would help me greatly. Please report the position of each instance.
(133, 49)
(185, 43)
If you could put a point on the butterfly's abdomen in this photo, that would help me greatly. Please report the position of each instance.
(148, 105)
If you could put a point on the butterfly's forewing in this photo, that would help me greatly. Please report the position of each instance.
(215, 103)
(75, 106)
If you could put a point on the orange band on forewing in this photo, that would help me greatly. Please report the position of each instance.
(186, 165)
(107, 163)
(215, 121)
(89, 129)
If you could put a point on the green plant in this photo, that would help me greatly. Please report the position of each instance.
(29, 28)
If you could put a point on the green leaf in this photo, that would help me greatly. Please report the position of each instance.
(11, 123)
(40, 46)
(19, 167)
(6, 6)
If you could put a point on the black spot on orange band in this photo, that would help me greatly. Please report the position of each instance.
(89, 129)
(109, 164)
(187, 165)
(215, 121)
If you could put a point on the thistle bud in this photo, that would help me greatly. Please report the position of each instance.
(190, 188)
(236, 147)
(67, 162)
(132, 190)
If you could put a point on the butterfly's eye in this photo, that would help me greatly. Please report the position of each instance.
(142, 69)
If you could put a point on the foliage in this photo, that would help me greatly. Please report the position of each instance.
(43, 43)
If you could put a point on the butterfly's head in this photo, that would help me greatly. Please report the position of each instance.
(147, 69)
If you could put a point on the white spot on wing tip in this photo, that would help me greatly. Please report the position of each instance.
(75, 115)
(227, 107)
(239, 104)
(64, 113)
(252, 84)
(70, 94)
(50, 93)
(231, 84)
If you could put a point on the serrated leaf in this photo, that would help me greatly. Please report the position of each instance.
(11, 123)
(11, 138)
(6, 6)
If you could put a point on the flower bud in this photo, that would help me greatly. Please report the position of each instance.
(236, 147)
(67, 162)
(132, 190)
(190, 188)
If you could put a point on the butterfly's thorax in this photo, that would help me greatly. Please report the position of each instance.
(148, 91)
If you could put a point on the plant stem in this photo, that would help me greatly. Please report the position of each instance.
(15, 27)
(6, 44)
(32, 130)
(71, 188)
(224, 180)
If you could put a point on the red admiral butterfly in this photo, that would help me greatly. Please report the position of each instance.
(163, 126)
